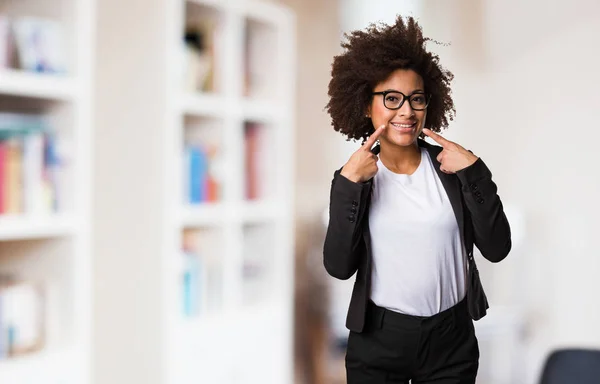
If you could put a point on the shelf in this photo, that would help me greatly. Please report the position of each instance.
(217, 4)
(203, 215)
(261, 111)
(214, 105)
(259, 10)
(261, 211)
(249, 212)
(264, 12)
(189, 327)
(24, 227)
(203, 105)
(43, 367)
(35, 85)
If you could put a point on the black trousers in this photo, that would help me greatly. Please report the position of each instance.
(395, 348)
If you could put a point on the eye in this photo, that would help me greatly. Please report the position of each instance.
(418, 99)
(391, 98)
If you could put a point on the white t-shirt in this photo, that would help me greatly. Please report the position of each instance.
(419, 263)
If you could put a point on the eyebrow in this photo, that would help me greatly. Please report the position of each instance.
(395, 90)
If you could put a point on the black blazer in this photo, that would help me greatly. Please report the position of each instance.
(478, 211)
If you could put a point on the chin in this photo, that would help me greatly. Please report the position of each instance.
(404, 140)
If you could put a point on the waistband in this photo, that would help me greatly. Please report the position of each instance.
(379, 314)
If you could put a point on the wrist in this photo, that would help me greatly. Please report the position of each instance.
(350, 175)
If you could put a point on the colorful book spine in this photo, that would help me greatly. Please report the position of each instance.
(254, 160)
(29, 165)
(200, 182)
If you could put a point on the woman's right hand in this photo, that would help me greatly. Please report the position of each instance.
(362, 165)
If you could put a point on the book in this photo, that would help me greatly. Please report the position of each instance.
(40, 45)
(257, 161)
(22, 319)
(199, 51)
(201, 182)
(29, 165)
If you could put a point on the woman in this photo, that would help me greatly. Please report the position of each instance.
(406, 221)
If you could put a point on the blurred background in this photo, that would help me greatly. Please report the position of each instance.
(165, 168)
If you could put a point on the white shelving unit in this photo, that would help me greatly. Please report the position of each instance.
(32, 85)
(22, 227)
(247, 336)
(146, 119)
(53, 249)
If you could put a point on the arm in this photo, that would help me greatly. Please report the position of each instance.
(343, 241)
(491, 228)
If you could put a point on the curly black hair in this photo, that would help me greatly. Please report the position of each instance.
(370, 56)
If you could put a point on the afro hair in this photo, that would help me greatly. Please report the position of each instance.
(369, 57)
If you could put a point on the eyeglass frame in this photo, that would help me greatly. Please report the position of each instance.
(404, 98)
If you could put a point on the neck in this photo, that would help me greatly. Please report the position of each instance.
(398, 159)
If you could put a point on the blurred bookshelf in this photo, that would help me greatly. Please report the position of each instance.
(45, 128)
(52, 87)
(229, 233)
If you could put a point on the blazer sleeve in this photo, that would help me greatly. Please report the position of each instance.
(344, 240)
(491, 228)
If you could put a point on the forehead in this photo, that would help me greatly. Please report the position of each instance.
(403, 80)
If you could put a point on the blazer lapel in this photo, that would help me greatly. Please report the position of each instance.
(451, 185)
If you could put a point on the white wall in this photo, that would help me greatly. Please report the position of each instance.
(527, 94)
(129, 109)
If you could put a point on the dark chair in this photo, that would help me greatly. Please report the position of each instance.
(572, 366)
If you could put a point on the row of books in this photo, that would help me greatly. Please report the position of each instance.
(202, 40)
(32, 44)
(199, 52)
(201, 269)
(29, 165)
(257, 160)
(201, 168)
(200, 174)
(200, 274)
(21, 317)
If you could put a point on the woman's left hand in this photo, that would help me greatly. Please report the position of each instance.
(453, 157)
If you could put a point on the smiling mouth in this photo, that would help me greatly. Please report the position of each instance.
(404, 127)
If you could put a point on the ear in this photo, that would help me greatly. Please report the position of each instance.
(368, 112)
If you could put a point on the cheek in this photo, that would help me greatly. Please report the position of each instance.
(422, 116)
(380, 113)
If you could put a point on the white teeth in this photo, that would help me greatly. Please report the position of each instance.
(402, 125)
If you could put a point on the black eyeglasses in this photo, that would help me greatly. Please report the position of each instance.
(394, 100)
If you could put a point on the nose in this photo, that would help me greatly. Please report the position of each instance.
(405, 109)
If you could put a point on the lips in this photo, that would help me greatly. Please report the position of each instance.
(404, 126)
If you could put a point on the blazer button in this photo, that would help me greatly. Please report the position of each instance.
(478, 193)
(353, 210)
(474, 187)
(351, 218)
(480, 201)
(354, 203)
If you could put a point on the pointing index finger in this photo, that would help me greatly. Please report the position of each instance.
(435, 137)
(373, 138)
